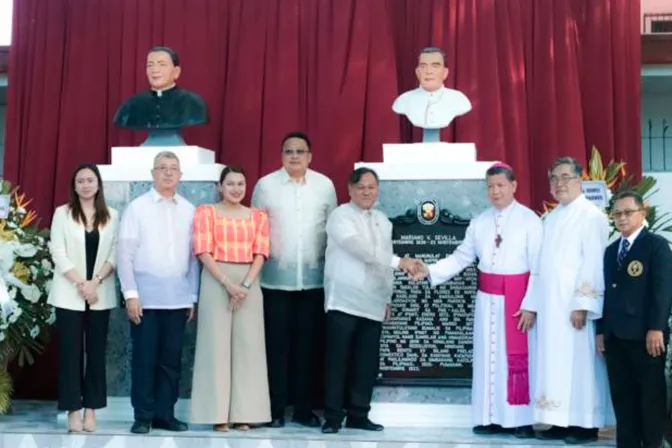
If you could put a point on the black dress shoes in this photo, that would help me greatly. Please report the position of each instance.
(311, 420)
(581, 436)
(523, 432)
(486, 430)
(173, 425)
(330, 427)
(276, 423)
(554, 433)
(363, 423)
(140, 427)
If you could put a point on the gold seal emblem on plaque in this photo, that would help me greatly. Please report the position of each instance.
(428, 212)
(635, 268)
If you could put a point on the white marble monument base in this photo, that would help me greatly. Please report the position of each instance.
(135, 163)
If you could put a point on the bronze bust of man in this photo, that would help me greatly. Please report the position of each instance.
(165, 108)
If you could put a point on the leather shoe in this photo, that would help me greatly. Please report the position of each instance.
(363, 423)
(173, 425)
(140, 427)
(524, 432)
(330, 427)
(311, 420)
(484, 430)
(554, 433)
(276, 423)
(581, 436)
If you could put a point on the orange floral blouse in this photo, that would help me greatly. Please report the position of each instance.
(231, 240)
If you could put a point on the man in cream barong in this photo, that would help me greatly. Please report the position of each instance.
(571, 392)
(506, 240)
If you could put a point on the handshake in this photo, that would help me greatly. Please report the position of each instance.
(414, 268)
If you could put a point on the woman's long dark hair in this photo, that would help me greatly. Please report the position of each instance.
(102, 214)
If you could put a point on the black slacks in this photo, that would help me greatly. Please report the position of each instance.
(82, 337)
(352, 364)
(294, 324)
(638, 391)
(156, 363)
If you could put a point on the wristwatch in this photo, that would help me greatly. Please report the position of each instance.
(99, 278)
(246, 284)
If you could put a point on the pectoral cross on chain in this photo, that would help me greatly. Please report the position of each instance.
(498, 240)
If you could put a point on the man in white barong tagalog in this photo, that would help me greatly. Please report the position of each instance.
(571, 393)
(358, 281)
(506, 240)
(158, 273)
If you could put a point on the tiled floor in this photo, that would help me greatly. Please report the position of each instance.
(35, 425)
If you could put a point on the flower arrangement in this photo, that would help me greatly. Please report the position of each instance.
(26, 271)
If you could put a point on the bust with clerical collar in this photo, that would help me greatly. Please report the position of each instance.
(431, 105)
(165, 106)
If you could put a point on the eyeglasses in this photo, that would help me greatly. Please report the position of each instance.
(565, 178)
(291, 152)
(616, 214)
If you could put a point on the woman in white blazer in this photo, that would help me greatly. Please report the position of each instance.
(83, 240)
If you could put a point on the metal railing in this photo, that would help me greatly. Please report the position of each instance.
(657, 146)
(657, 23)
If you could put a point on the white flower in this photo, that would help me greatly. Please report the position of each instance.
(32, 293)
(47, 286)
(52, 317)
(7, 255)
(11, 225)
(40, 240)
(2, 336)
(35, 332)
(21, 210)
(46, 264)
(12, 292)
(4, 326)
(26, 250)
(15, 315)
(609, 194)
(33, 271)
(20, 232)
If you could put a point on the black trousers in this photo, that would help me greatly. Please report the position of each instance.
(156, 363)
(294, 324)
(353, 348)
(82, 337)
(638, 391)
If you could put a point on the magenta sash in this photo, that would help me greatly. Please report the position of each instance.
(513, 288)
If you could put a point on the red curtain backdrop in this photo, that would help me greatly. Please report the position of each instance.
(546, 79)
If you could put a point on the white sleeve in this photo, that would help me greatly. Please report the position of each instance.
(535, 235)
(128, 241)
(589, 287)
(59, 254)
(460, 259)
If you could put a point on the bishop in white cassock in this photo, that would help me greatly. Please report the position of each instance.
(571, 390)
(506, 241)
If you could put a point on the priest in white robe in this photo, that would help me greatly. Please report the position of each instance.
(431, 105)
(506, 240)
(571, 393)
